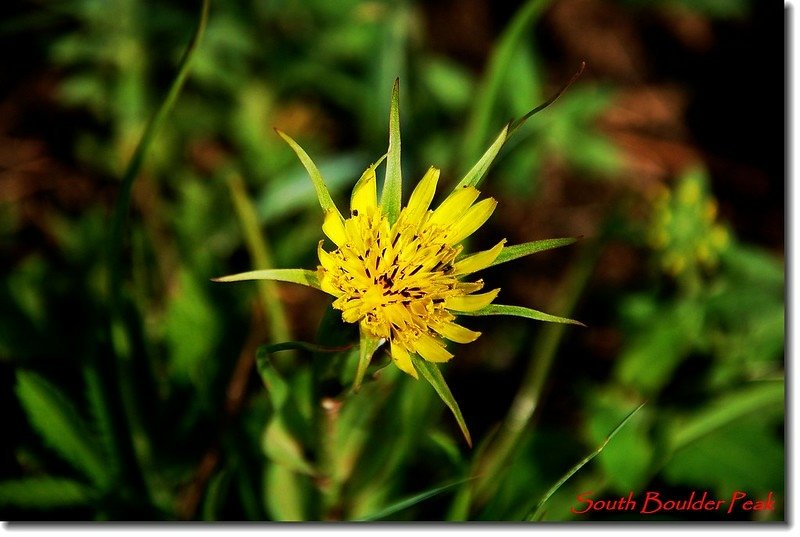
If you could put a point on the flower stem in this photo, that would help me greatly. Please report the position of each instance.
(327, 480)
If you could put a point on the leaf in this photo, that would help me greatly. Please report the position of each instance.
(281, 446)
(301, 276)
(752, 458)
(325, 200)
(432, 374)
(537, 513)
(44, 493)
(285, 494)
(366, 348)
(393, 182)
(478, 171)
(757, 397)
(509, 253)
(519, 311)
(411, 501)
(56, 419)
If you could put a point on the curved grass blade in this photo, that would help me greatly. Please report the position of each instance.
(537, 513)
(120, 395)
(324, 196)
(519, 311)
(411, 501)
(509, 253)
(393, 182)
(123, 202)
(432, 374)
(301, 276)
(521, 121)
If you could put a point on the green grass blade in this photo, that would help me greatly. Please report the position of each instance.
(120, 396)
(44, 493)
(123, 202)
(393, 182)
(537, 513)
(521, 121)
(410, 501)
(727, 409)
(509, 253)
(324, 196)
(432, 374)
(261, 255)
(476, 174)
(301, 276)
(57, 421)
(519, 311)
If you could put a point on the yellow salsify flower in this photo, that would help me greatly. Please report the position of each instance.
(402, 282)
(398, 273)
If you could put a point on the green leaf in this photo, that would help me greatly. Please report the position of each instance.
(285, 494)
(752, 458)
(282, 447)
(325, 200)
(411, 501)
(57, 420)
(478, 171)
(509, 253)
(757, 397)
(393, 182)
(432, 374)
(301, 276)
(366, 348)
(216, 495)
(536, 513)
(519, 311)
(44, 493)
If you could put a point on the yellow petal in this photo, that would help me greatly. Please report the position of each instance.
(422, 195)
(365, 193)
(333, 227)
(402, 360)
(325, 258)
(478, 261)
(456, 332)
(430, 349)
(452, 208)
(470, 302)
(474, 218)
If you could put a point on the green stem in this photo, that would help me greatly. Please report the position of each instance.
(502, 447)
(128, 432)
(327, 480)
(261, 255)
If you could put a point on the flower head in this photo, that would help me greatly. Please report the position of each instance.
(402, 282)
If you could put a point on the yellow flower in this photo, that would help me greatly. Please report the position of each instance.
(402, 282)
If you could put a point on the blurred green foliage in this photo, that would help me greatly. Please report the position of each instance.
(702, 334)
